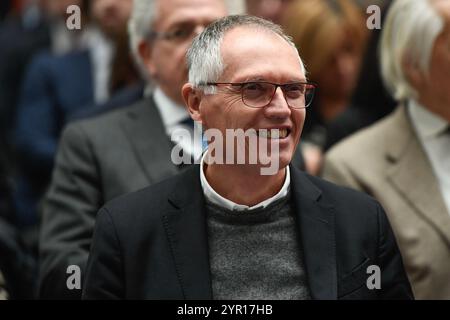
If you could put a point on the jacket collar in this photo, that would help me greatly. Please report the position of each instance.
(152, 147)
(409, 166)
(186, 228)
(315, 218)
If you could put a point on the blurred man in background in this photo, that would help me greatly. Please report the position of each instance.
(125, 150)
(57, 86)
(41, 24)
(31, 26)
(404, 160)
(18, 265)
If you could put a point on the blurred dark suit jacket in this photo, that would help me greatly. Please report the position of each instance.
(20, 41)
(54, 88)
(388, 162)
(123, 98)
(153, 244)
(99, 159)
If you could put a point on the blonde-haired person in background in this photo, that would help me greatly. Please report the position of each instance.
(331, 37)
(404, 160)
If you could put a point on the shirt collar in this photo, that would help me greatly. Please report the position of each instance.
(212, 196)
(98, 43)
(171, 112)
(427, 124)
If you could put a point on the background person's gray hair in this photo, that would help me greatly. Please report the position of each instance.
(142, 21)
(409, 32)
(204, 57)
(140, 27)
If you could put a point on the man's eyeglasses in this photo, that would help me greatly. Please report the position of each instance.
(178, 34)
(298, 95)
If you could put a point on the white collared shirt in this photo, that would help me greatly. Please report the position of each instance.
(431, 130)
(212, 196)
(101, 51)
(172, 115)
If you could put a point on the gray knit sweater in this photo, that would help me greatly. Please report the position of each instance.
(256, 254)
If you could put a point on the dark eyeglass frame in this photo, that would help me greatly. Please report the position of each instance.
(171, 35)
(310, 85)
(180, 33)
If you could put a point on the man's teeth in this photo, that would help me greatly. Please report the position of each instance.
(273, 134)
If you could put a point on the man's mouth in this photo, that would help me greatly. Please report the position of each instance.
(273, 133)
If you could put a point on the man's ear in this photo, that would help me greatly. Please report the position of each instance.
(145, 50)
(412, 72)
(192, 98)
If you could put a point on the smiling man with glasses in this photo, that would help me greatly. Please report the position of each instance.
(225, 231)
(259, 94)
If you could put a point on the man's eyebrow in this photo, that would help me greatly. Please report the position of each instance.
(261, 78)
(297, 80)
(180, 23)
(252, 78)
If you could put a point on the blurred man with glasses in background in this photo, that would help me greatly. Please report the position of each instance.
(125, 150)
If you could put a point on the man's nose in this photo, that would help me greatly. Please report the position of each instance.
(278, 107)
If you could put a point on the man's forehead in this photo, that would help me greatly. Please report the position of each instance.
(250, 38)
(281, 75)
(172, 12)
(258, 54)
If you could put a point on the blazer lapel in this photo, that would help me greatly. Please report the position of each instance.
(152, 146)
(186, 229)
(316, 224)
(411, 174)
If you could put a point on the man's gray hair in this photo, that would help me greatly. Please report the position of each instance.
(410, 31)
(204, 57)
(142, 20)
(140, 26)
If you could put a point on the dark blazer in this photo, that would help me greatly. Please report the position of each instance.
(54, 87)
(98, 159)
(17, 263)
(6, 205)
(153, 244)
(123, 98)
(20, 41)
